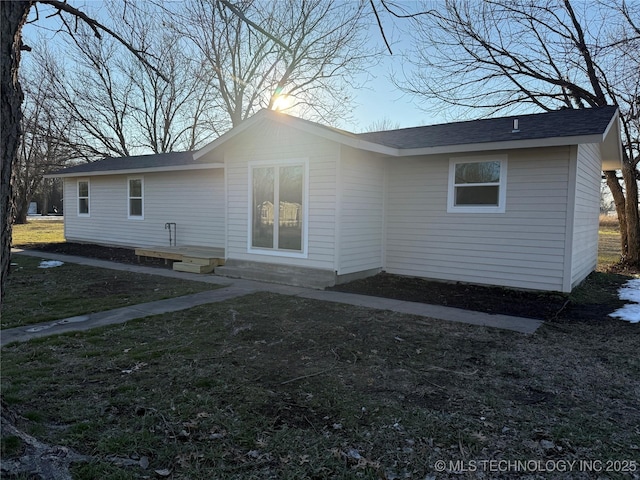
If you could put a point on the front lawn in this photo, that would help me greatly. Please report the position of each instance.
(268, 386)
(37, 232)
(37, 295)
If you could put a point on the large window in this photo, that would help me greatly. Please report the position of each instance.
(277, 219)
(477, 185)
(83, 198)
(136, 198)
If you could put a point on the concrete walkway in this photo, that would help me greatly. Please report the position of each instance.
(233, 288)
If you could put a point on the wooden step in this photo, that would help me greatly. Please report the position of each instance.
(202, 261)
(192, 267)
(150, 252)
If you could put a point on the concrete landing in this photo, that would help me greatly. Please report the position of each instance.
(276, 273)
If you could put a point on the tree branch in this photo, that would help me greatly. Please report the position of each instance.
(97, 26)
(384, 37)
(254, 25)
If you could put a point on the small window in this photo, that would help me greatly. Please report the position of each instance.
(477, 185)
(136, 198)
(83, 198)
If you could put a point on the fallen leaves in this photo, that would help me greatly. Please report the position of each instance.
(354, 458)
(135, 368)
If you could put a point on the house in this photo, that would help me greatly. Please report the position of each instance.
(508, 201)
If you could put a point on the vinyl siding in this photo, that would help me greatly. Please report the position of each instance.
(361, 212)
(586, 212)
(523, 247)
(275, 143)
(193, 200)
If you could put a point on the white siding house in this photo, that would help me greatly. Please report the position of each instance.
(360, 220)
(193, 199)
(271, 146)
(479, 202)
(586, 211)
(523, 247)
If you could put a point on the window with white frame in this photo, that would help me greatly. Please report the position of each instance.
(277, 209)
(83, 198)
(136, 198)
(477, 184)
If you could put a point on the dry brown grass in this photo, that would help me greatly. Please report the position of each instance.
(609, 249)
(38, 232)
(268, 386)
(609, 221)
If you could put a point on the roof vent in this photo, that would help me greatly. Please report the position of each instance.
(516, 129)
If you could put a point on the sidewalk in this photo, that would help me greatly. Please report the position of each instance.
(235, 288)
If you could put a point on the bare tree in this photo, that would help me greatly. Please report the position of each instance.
(321, 46)
(384, 123)
(42, 146)
(13, 17)
(318, 56)
(94, 95)
(501, 55)
(121, 106)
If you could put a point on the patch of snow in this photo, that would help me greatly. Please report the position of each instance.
(630, 313)
(631, 293)
(50, 263)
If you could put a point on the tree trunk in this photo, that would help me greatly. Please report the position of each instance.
(22, 210)
(13, 15)
(629, 174)
(621, 208)
(44, 208)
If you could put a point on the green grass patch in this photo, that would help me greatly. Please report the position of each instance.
(609, 248)
(11, 446)
(38, 232)
(269, 386)
(600, 289)
(37, 295)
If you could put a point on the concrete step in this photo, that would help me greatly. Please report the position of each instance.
(192, 267)
(274, 273)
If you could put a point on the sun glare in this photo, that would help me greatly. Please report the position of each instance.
(282, 102)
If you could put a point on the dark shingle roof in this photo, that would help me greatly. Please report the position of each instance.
(157, 160)
(560, 123)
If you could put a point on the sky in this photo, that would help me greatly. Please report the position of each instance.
(380, 100)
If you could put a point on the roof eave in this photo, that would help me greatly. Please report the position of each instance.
(130, 171)
(611, 146)
(503, 145)
(344, 138)
(368, 146)
(248, 123)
